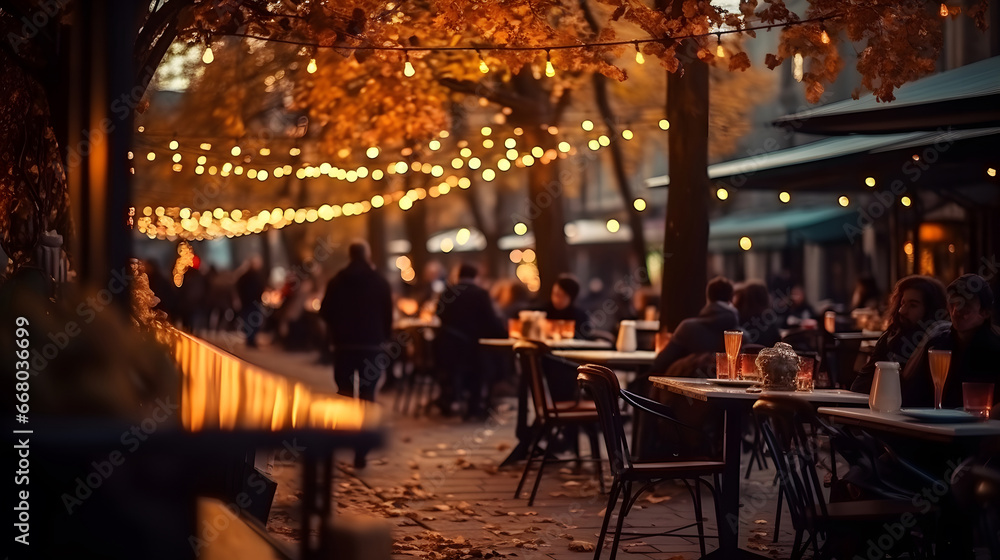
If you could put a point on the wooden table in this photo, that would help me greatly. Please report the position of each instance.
(736, 403)
(901, 424)
(564, 343)
(609, 358)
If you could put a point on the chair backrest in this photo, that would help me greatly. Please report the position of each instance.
(529, 356)
(783, 420)
(602, 385)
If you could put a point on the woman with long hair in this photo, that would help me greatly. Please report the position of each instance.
(917, 303)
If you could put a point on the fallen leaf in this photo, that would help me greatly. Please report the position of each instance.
(657, 499)
(761, 521)
(581, 546)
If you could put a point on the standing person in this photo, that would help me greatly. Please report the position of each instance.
(917, 303)
(467, 314)
(250, 289)
(357, 309)
(973, 340)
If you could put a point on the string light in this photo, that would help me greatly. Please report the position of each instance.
(483, 67)
(944, 10)
(784, 197)
(208, 56)
(408, 70)
(639, 59)
(719, 51)
(550, 71)
(823, 36)
(311, 68)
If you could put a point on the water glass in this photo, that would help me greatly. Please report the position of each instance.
(804, 378)
(722, 366)
(514, 328)
(567, 328)
(748, 367)
(978, 399)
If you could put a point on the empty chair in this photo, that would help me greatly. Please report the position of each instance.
(551, 417)
(602, 385)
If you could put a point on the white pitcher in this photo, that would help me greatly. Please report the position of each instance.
(626, 337)
(886, 395)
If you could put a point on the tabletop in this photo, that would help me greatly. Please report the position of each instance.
(562, 343)
(900, 423)
(706, 389)
(609, 357)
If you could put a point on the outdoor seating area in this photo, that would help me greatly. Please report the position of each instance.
(518, 279)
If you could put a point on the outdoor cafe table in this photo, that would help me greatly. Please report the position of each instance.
(967, 435)
(611, 358)
(737, 402)
(522, 430)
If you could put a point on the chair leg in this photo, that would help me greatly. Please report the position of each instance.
(608, 512)
(595, 451)
(549, 438)
(777, 514)
(796, 553)
(532, 450)
(626, 498)
(698, 515)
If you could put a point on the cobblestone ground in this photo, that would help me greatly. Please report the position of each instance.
(437, 485)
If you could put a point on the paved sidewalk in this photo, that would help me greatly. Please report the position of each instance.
(438, 485)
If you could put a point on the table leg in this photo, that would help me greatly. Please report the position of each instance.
(522, 430)
(729, 497)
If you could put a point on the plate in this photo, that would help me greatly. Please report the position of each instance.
(734, 382)
(943, 415)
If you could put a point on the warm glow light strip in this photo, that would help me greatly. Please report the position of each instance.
(220, 391)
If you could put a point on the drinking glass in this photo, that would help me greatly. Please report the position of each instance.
(722, 366)
(734, 339)
(804, 377)
(748, 367)
(940, 360)
(978, 399)
(568, 328)
(514, 328)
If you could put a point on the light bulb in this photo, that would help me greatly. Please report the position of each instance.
(208, 57)
(312, 66)
(408, 70)
(483, 67)
(720, 52)
(639, 59)
(549, 70)
(824, 37)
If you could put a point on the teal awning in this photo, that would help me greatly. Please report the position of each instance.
(781, 228)
(966, 97)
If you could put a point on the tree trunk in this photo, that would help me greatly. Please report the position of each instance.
(491, 252)
(685, 239)
(638, 241)
(545, 203)
(415, 223)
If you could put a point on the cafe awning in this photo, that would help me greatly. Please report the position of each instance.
(779, 229)
(842, 162)
(966, 97)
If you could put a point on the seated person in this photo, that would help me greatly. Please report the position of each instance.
(467, 314)
(704, 333)
(759, 320)
(799, 312)
(974, 343)
(916, 304)
(562, 306)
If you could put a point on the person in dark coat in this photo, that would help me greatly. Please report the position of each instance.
(757, 315)
(916, 304)
(704, 333)
(357, 309)
(467, 314)
(972, 338)
(562, 306)
(250, 289)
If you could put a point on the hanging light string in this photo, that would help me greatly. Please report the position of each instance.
(762, 27)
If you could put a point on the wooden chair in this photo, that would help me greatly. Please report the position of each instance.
(419, 375)
(602, 384)
(551, 417)
(783, 420)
